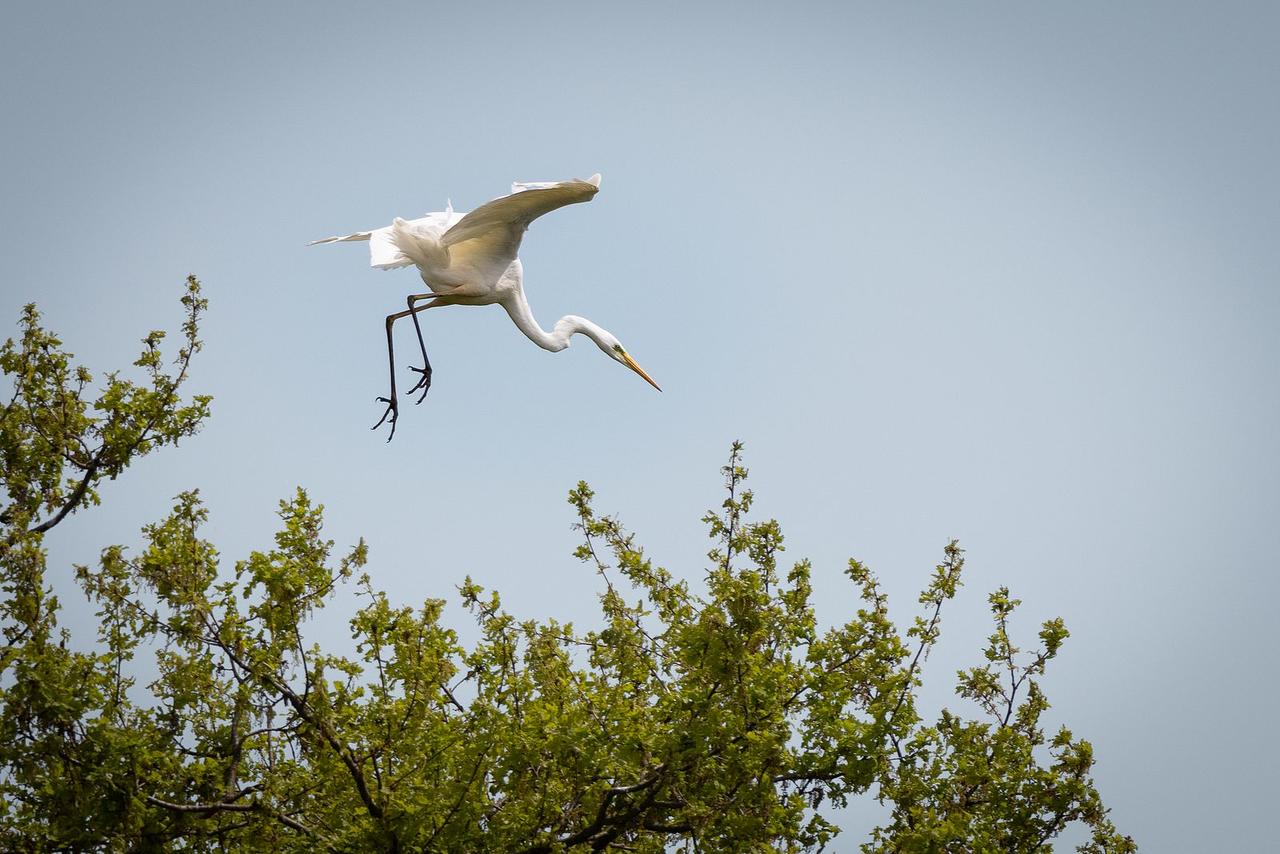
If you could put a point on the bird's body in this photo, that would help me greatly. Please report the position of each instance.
(471, 259)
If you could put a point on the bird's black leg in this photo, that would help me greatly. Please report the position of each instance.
(424, 382)
(393, 408)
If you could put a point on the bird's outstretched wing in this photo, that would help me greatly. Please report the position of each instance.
(494, 229)
(384, 252)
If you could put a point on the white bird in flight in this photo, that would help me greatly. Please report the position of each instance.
(470, 259)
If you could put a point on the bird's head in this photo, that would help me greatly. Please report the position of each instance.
(620, 354)
(605, 340)
(613, 348)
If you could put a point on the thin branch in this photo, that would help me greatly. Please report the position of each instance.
(76, 496)
(220, 806)
(452, 699)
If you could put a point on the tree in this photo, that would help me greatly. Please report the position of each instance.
(720, 717)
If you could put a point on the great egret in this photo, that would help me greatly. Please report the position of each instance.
(470, 259)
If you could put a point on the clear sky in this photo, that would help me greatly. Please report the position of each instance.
(1003, 272)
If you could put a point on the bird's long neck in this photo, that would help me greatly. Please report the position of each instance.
(558, 338)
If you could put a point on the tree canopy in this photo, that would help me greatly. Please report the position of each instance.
(707, 710)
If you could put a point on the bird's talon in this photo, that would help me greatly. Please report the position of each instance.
(389, 416)
(424, 382)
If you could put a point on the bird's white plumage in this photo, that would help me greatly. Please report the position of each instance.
(471, 259)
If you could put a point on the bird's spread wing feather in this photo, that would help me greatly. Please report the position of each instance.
(385, 253)
(359, 235)
(494, 229)
(521, 186)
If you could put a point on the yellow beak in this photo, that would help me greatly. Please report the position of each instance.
(631, 363)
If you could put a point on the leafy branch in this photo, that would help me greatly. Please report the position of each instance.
(711, 717)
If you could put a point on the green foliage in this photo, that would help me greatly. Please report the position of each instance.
(56, 445)
(716, 718)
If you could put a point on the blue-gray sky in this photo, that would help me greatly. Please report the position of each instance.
(1000, 272)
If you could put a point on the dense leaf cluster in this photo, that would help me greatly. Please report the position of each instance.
(716, 719)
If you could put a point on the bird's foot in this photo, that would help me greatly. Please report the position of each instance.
(424, 382)
(392, 413)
